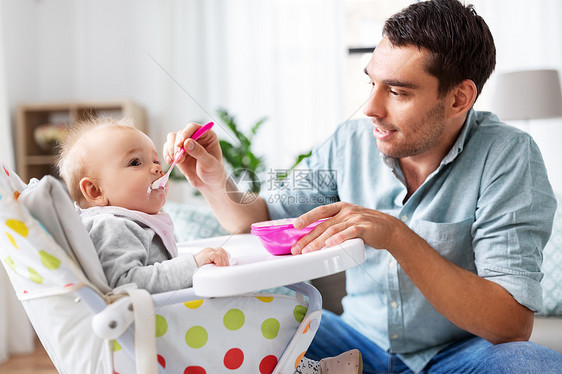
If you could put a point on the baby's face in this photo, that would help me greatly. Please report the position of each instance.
(124, 165)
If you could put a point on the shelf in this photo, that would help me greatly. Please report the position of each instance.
(34, 161)
(41, 160)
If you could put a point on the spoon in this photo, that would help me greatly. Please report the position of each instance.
(161, 182)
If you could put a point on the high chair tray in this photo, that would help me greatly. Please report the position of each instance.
(254, 269)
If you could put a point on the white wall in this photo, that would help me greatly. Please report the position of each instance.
(184, 59)
(528, 35)
(101, 49)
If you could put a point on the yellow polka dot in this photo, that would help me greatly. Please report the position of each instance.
(49, 261)
(34, 276)
(17, 226)
(12, 240)
(193, 304)
(265, 299)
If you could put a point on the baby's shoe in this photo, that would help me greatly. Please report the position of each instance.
(349, 362)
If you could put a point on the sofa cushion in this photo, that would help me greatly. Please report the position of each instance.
(193, 222)
(552, 268)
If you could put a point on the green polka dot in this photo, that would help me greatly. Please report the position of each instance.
(270, 328)
(50, 261)
(116, 346)
(34, 276)
(196, 337)
(299, 312)
(233, 319)
(161, 326)
(10, 262)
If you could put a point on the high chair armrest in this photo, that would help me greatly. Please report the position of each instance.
(314, 297)
(174, 297)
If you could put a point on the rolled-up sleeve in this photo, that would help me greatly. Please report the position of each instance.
(513, 219)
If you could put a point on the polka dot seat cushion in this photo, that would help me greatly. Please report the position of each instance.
(229, 335)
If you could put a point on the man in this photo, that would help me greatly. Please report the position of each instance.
(453, 206)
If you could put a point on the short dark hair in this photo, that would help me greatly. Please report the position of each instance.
(459, 41)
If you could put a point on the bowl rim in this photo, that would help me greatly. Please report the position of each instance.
(279, 224)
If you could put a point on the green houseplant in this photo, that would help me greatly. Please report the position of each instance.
(239, 155)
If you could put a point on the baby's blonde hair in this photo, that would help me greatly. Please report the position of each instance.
(70, 164)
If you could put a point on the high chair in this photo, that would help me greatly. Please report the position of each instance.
(86, 327)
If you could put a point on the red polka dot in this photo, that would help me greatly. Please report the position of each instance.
(194, 370)
(233, 359)
(267, 364)
(6, 171)
(161, 361)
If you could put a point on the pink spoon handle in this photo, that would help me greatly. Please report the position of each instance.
(203, 129)
(161, 182)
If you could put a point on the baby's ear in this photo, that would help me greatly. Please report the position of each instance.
(92, 192)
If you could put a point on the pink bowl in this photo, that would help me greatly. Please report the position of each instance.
(280, 235)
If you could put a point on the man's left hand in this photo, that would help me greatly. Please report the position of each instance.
(346, 221)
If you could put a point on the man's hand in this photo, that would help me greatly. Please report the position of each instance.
(347, 221)
(217, 256)
(202, 162)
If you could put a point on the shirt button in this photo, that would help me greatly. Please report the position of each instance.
(404, 218)
(392, 264)
(394, 336)
(394, 304)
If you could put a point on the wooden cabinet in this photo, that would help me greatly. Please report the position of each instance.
(36, 158)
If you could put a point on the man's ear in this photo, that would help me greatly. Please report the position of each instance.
(462, 98)
(92, 192)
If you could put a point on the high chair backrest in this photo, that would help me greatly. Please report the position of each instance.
(45, 278)
(49, 203)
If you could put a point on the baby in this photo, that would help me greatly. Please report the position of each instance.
(108, 166)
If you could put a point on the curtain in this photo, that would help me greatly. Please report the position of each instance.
(280, 59)
(16, 333)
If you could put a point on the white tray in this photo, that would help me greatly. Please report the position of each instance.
(254, 269)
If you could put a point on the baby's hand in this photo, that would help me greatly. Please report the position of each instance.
(217, 256)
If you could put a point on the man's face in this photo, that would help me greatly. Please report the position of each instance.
(124, 166)
(404, 105)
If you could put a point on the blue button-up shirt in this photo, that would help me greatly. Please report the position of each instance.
(487, 208)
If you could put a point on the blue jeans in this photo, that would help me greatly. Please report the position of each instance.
(473, 355)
